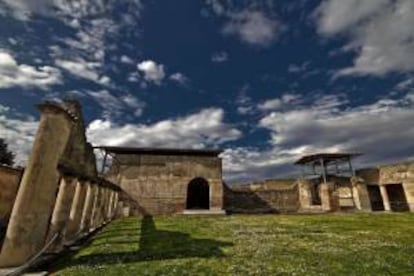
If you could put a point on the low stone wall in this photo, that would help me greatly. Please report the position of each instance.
(271, 196)
(9, 184)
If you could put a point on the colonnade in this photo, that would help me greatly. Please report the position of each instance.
(54, 207)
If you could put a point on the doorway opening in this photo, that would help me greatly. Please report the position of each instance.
(198, 194)
(397, 198)
(375, 198)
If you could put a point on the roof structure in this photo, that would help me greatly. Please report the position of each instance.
(161, 151)
(326, 157)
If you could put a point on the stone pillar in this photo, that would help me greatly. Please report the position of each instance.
(329, 199)
(100, 205)
(29, 221)
(95, 208)
(61, 211)
(360, 194)
(106, 205)
(305, 195)
(76, 211)
(409, 194)
(87, 210)
(115, 205)
(110, 202)
(385, 199)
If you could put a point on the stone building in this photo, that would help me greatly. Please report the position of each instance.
(169, 181)
(388, 187)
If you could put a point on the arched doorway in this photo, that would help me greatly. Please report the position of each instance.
(198, 194)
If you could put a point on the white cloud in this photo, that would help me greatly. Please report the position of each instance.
(251, 25)
(92, 22)
(278, 103)
(219, 57)
(180, 78)
(152, 71)
(382, 130)
(380, 32)
(117, 105)
(18, 131)
(127, 59)
(23, 75)
(80, 68)
(205, 128)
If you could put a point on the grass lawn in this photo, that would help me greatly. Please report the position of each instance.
(347, 244)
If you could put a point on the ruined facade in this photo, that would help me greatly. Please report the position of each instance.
(169, 181)
(389, 187)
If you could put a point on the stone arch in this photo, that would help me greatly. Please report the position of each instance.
(198, 194)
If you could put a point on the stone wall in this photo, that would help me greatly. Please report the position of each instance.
(401, 173)
(271, 196)
(9, 184)
(158, 183)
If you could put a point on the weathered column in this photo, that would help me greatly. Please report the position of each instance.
(115, 205)
(360, 194)
(110, 203)
(106, 205)
(87, 210)
(62, 210)
(409, 194)
(329, 199)
(29, 221)
(76, 211)
(385, 199)
(305, 195)
(95, 208)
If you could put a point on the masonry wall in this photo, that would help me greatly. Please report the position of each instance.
(401, 173)
(271, 196)
(9, 184)
(158, 183)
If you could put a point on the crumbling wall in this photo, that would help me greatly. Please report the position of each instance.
(401, 173)
(271, 196)
(9, 184)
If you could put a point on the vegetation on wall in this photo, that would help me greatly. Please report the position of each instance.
(6, 156)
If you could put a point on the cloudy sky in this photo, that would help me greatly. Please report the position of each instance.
(266, 81)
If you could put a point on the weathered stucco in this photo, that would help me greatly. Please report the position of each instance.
(9, 184)
(270, 196)
(158, 183)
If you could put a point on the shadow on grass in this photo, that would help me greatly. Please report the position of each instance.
(153, 245)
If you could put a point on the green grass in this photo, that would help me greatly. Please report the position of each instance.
(348, 244)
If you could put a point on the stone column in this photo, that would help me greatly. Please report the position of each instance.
(95, 208)
(360, 194)
(385, 199)
(87, 210)
(110, 201)
(76, 211)
(29, 221)
(62, 210)
(106, 205)
(409, 194)
(115, 204)
(329, 199)
(305, 195)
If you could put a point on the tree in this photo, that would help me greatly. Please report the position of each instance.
(6, 156)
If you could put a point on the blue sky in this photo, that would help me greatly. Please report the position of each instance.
(266, 81)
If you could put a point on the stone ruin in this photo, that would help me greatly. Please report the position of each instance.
(60, 197)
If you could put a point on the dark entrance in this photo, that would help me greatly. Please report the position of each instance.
(315, 190)
(375, 198)
(198, 194)
(397, 198)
